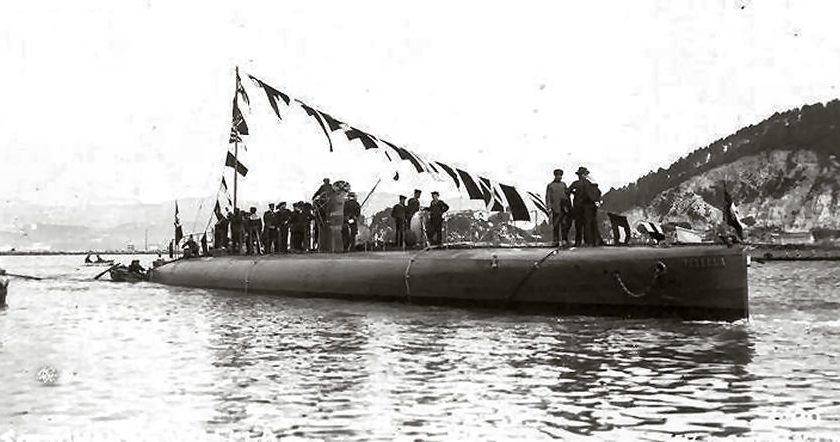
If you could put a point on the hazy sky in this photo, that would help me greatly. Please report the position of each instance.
(130, 100)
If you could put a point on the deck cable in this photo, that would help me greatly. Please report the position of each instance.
(407, 274)
(536, 266)
(659, 270)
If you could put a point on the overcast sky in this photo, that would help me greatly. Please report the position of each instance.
(130, 100)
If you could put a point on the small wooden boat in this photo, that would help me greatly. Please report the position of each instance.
(122, 274)
(99, 263)
(694, 282)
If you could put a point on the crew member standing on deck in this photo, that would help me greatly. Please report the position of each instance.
(557, 201)
(320, 201)
(254, 232)
(307, 209)
(435, 228)
(236, 232)
(284, 217)
(220, 231)
(298, 222)
(352, 212)
(398, 212)
(413, 205)
(586, 195)
(270, 230)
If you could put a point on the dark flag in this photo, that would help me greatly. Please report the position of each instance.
(332, 122)
(217, 210)
(224, 190)
(539, 203)
(491, 195)
(238, 121)
(272, 95)
(179, 233)
(472, 188)
(365, 138)
(406, 155)
(241, 90)
(319, 118)
(451, 173)
(231, 161)
(652, 229)
(620, 228)
(517, 205)
(731, 215)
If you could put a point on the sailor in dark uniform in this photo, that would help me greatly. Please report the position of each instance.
(308, 215)
(270, 230)
(298, 222)
(190, 248)
(236, 232)
(254, 223)
(413, 205)
(204, 244)
(435, 228)
(284, 216)
(220, 231)
(352, 212)
(584, 208)
(320, 201)
(398, 213)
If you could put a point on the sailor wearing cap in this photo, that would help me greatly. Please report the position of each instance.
(413, 205)
(398, 213)
(352, 212)
(584, 208)
(557, 202)
(435, 228)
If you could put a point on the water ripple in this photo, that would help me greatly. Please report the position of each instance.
(224, 365)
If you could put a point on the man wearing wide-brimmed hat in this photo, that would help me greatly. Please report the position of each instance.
(584, 208)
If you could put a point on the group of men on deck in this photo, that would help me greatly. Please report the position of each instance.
(578, 203)
(280, 230)
(402, 213)
(277, 231)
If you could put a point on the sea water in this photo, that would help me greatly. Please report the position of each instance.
(83, 359)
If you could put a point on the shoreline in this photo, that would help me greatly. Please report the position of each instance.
(795, 252)
(50, 253)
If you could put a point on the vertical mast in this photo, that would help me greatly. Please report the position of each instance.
(235, 145)
(235, 172)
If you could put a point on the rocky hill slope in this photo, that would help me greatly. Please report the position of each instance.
(784, 174)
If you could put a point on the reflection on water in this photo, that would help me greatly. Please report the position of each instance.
(204, 363)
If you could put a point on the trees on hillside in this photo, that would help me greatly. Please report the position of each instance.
(813, 127)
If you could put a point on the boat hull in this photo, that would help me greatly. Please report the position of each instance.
(704, 282)
(123, 275)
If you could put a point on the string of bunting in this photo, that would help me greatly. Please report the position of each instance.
(496, 196)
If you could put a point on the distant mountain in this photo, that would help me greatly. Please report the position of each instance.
(783, 173)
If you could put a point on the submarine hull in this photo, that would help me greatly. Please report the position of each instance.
(699, 282)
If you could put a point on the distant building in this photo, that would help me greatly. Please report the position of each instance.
(130, 248)
(792, 238)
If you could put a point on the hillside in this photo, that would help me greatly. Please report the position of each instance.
(783, 173)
